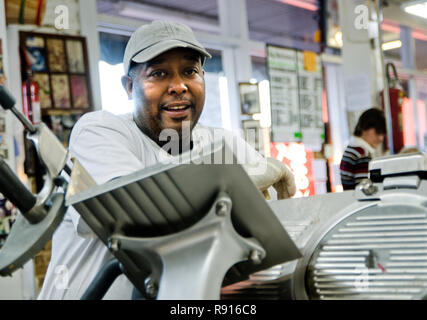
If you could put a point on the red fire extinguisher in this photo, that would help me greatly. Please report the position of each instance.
(31, 99)
(396, 95)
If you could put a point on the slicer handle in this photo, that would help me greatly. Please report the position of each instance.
(14, 190)
(6, 99)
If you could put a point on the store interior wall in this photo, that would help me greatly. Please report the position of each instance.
(240, 54)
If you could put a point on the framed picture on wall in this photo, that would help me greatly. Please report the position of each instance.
(249, 98)
(43, 81)
(59, 65)
(75, 56)
(60, 90)
(79, 91)
(36, 53)
(56, 55)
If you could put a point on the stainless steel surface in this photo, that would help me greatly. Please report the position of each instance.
(53, 155)
(388, 275)
(26, 239)
(171, 203)
(411, 182)
(213, 239)
(80, 180)
(367, 187)
(355, 246)
(399, 164)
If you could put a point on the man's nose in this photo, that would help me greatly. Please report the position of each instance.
(177, 86)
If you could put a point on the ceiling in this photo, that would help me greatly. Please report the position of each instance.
(270, 21)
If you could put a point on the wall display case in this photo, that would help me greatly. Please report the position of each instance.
(59, 65)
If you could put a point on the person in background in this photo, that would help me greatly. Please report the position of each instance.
(368, 135)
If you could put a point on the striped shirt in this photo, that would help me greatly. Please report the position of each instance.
(354, 166)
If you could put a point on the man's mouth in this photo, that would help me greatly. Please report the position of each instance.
(173, 108)
(177, 109)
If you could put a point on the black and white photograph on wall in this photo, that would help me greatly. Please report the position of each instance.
(253, 134)
(249, 98)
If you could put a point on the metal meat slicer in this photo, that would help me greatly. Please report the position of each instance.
(171, 233)
(177, 237)
(370, 243)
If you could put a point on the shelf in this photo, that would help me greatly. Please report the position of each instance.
(62, 112)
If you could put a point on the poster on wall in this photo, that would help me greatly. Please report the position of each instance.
(75, 56)
(296, 86)
(42, 80)
(282, 69)
(310, 99)
(56, 55)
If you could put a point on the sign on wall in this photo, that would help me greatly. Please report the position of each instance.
(296, 85)
(310, 98)
(282, 70)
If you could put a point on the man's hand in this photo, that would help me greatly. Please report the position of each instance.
(276, 174)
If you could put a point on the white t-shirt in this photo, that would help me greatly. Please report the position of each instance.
(108, 146)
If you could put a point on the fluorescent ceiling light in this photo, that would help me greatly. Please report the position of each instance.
(418, 8)
(301, 4)
(392, 45)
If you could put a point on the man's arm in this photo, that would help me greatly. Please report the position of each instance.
(104, 148)
(266, 172)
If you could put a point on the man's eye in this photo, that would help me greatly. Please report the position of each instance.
(157, 74)
(191, 71)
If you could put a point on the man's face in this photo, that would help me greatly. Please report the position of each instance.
(168, 90)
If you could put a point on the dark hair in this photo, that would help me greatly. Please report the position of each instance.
(371, 118)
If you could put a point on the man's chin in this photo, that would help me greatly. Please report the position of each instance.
(182, 128)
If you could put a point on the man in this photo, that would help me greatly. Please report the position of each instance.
(164, 76)
(368, 135)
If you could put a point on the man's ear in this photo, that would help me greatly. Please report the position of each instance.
(127, 85)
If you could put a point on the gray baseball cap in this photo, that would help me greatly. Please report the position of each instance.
(151, 40)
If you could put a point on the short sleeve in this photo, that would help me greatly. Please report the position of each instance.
(103, 145)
